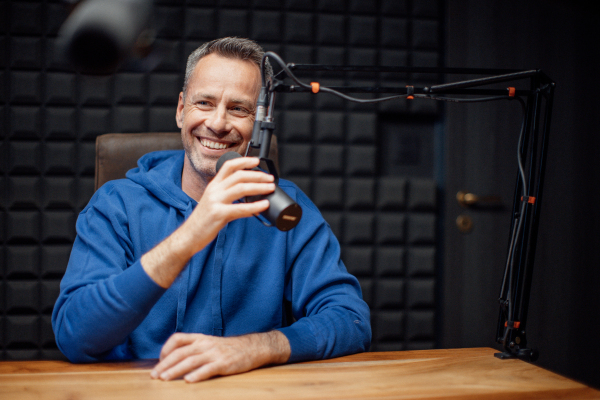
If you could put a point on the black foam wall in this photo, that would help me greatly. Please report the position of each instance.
(383, 207)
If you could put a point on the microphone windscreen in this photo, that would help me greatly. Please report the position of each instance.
(100, 34)
(230, 155)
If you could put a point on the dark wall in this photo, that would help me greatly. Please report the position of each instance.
(50, 116)
(560, 37)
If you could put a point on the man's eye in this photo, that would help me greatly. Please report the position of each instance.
(202, 103)
(240, 110)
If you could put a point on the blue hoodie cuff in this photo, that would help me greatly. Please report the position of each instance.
(137, 289)
(302, 342)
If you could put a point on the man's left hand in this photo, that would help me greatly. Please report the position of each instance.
(197, 357)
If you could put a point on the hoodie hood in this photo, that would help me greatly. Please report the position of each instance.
(159, 172)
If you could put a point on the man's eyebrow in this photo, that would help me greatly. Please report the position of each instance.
(202, 96)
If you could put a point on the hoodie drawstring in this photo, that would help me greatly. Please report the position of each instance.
(217, 315)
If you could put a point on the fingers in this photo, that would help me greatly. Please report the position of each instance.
(244, 176)
(176, 340)
(196, 357)
(178, 351)
(193, 368)
(243, 210)
(237, 164)
(242, 184)
(235, 181)
(179, 363)
(242, 190)
(203, 373)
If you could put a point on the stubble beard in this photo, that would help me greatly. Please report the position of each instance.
(204, 166)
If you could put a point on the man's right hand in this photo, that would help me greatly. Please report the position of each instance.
(214, 210)
(197, 357)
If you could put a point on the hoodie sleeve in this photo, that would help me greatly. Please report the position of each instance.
(332, 318)
(105, 293)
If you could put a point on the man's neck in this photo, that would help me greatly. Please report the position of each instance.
(192, 183)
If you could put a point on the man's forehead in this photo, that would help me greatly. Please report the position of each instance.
(215, 71)
(214, 63)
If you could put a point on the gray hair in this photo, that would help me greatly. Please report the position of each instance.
(230, 47)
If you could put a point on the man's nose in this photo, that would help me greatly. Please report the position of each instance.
(218, 121)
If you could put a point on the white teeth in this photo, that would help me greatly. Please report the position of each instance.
(213, 145)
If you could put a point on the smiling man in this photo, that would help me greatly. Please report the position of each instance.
(167, 264)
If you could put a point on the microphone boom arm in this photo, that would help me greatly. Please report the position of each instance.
(532, 157)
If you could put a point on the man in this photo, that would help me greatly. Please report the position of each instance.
(169, 254)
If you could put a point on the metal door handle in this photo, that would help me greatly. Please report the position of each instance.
(466, 199)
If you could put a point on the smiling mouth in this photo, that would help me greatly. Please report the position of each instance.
(215, 145)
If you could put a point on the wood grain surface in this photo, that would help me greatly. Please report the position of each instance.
(426, 374)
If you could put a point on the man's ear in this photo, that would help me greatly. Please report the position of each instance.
(179, 113)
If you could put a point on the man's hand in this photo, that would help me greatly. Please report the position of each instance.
(214, 210)
(198, 357)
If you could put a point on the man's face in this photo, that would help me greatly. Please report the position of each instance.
(217, 115)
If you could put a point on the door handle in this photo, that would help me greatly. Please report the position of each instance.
(466, 200)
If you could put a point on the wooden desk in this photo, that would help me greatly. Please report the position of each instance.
(429, 374)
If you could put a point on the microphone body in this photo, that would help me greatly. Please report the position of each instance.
(283, 212)
(100, 34)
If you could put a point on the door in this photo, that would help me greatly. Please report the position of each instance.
(481, 168)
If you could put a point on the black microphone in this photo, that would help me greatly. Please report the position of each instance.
(99, 34)
(283, 212)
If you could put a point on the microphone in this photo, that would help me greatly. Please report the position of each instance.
(283, 212)
(100, 34)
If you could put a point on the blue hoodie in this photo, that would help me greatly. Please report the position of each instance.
(109, 308)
